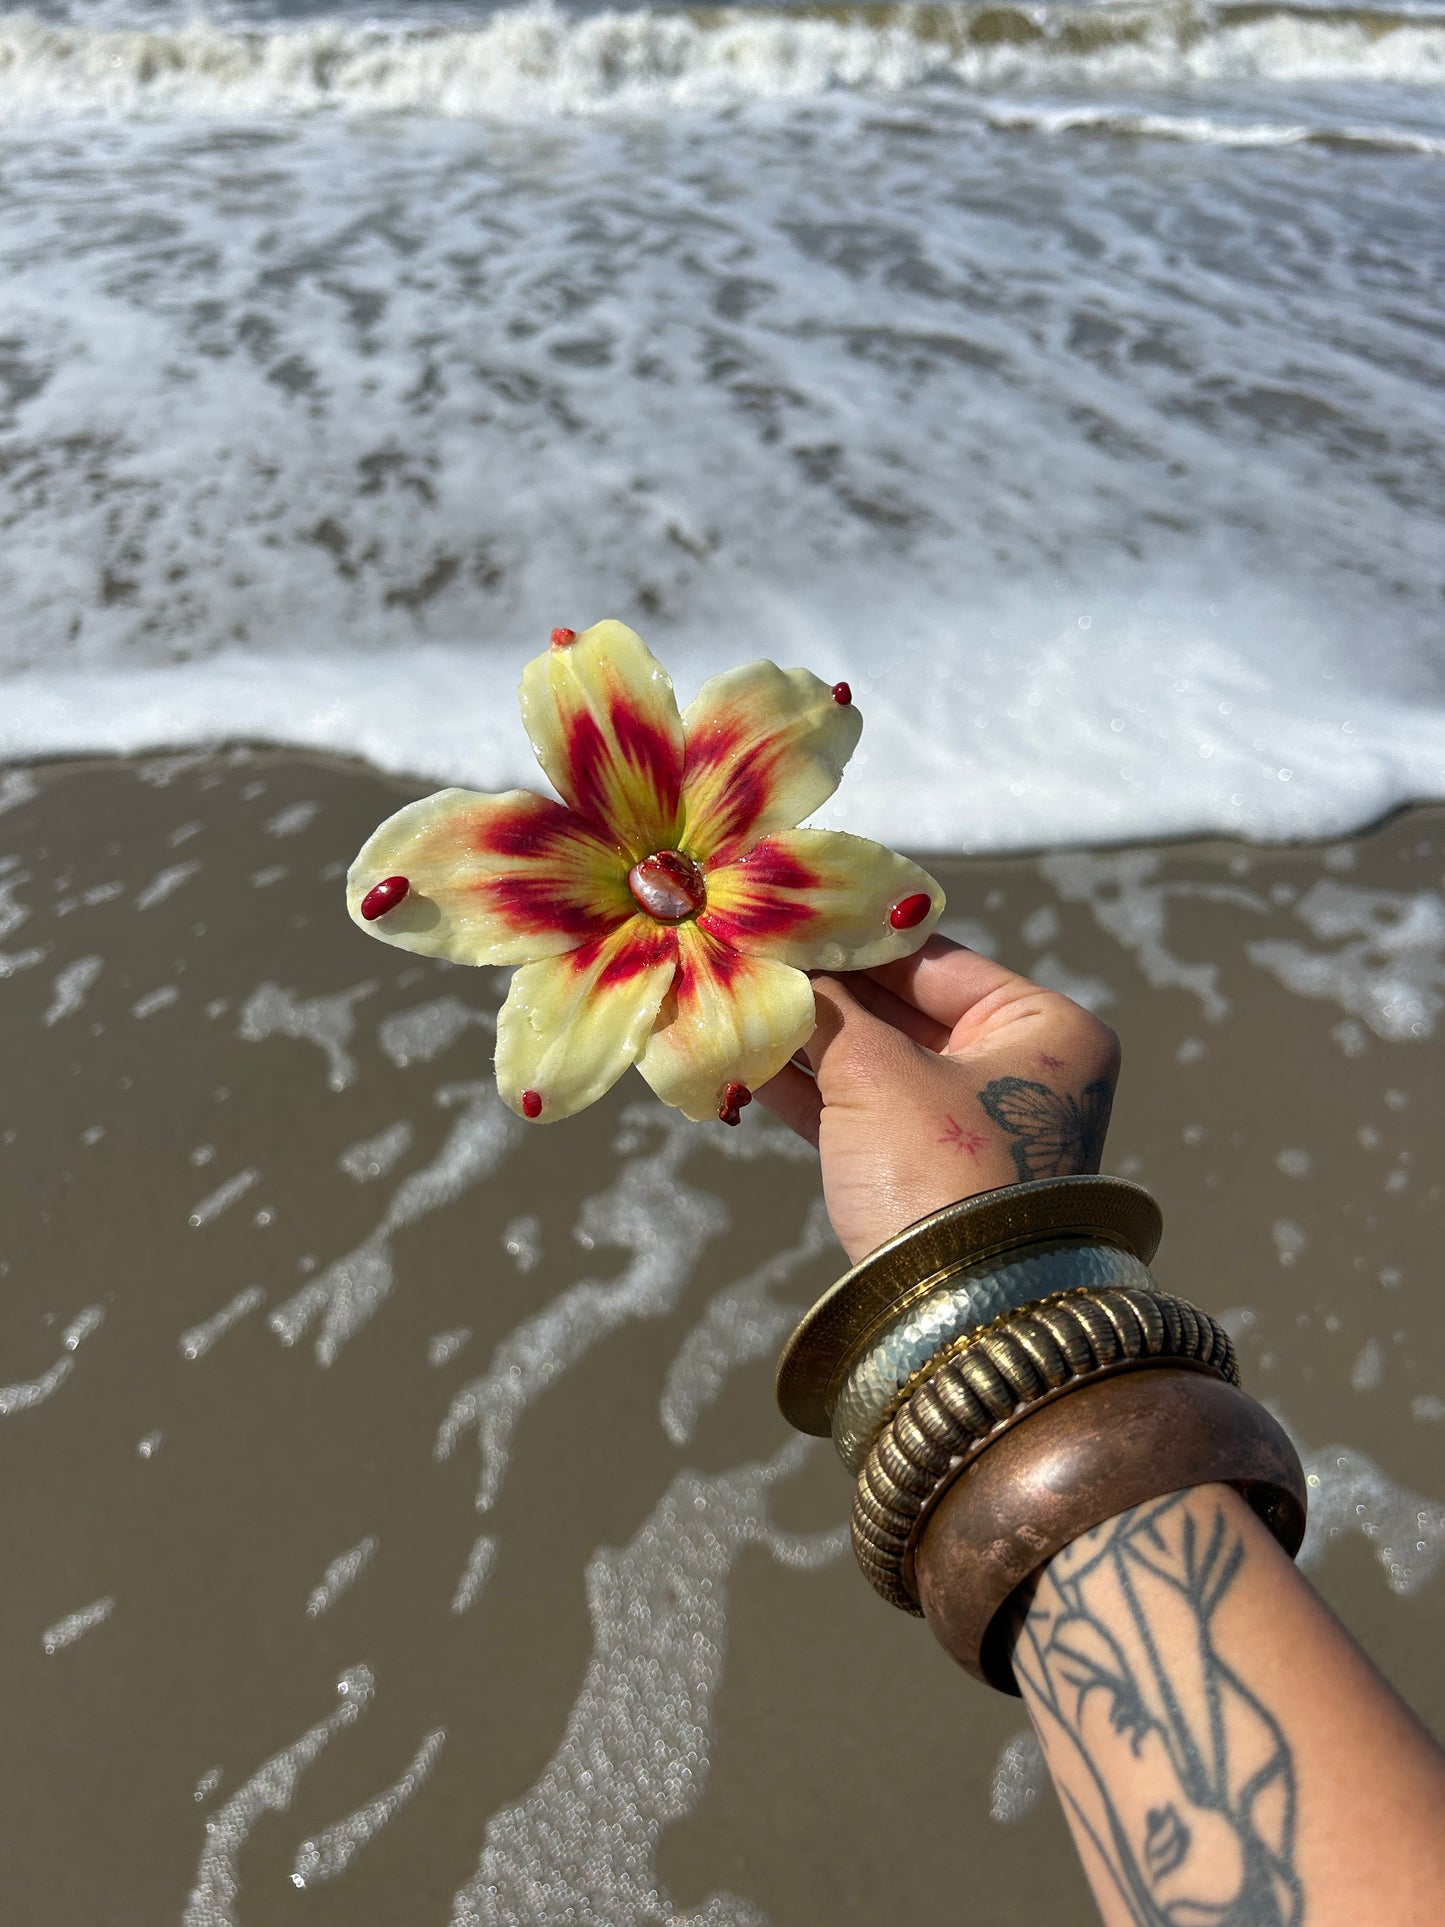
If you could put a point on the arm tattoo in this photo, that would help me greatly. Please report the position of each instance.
(1055, 1136)
(1177, 1776)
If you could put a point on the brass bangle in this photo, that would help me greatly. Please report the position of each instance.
(848, 1319)
(1065, 1470)
(988, 1382)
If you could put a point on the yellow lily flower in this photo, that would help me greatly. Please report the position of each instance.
(665, 912)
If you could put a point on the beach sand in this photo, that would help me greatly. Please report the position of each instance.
(321, 1368)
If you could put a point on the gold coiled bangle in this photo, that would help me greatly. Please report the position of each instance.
(988, 1381)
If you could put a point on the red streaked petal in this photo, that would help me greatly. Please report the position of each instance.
(820, 900)
(765, 747)
(603, 721)
(731, 1020)
(491, 879)
(571, 1025)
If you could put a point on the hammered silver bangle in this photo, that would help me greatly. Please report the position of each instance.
(880, 1381)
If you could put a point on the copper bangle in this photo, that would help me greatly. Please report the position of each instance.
(987, 1382)
(1074, 1465)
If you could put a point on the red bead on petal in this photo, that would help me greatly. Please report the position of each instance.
(532, 1103)
(735, 1096)
(842, 693)
(383, 896)
(561, 637)
(908, 912)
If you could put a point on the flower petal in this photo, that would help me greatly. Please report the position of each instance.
(730, 1019)
(571, 1025)
(493, 879)
(603, 720)
(820, 900)
(765, 747)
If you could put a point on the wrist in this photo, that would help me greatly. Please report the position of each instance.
(989, 1436)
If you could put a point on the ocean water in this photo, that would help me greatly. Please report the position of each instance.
(1066, 377)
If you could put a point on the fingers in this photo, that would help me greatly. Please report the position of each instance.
(892, 1009)
(854, 1053)
(793, 1097)
(945, 981)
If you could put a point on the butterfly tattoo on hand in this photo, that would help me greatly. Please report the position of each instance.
(1055, 1135)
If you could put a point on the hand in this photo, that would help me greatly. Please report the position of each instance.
(938, 1077)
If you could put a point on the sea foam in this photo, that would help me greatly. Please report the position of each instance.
(1056, 736)
(541, 59)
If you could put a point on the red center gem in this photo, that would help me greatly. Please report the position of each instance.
(383, 896)
(842, 693)
(668, 886)
(735, 1096)
(531, 1103)
(908, 912)
(561, 637)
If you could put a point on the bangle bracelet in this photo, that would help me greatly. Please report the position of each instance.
(851, 1318)
(990, 1381)
(1067, 1469)
(1008, 1376)
(887, 1371)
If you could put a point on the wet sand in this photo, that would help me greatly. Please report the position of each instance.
(399, 1525)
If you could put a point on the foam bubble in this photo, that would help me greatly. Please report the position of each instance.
(66, 1631)
(341, 1575)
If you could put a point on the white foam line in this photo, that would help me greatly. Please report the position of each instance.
(352, 1290)
(198, 1339)
(1390, 967)
(66, 1631)
(166, 883)
(1019, 1777)
(741, 1323)
(481, 1562)
(270, 1789)
(1348, 1492)
(1131, 903)
(647, 1210)
(373, 1157)
(326, 1022)
(341, 1575)
(72, 985)
(418, 1036)
(223, 1197)
(443, 1348)
(332, 1851)
(583, 1843)
(32, 1392)
(17, 786)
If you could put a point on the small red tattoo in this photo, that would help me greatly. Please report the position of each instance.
(1052, 1063)
(969, 1141)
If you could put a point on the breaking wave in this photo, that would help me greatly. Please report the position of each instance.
(542, 60)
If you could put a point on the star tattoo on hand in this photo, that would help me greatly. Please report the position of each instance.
(970, 1141)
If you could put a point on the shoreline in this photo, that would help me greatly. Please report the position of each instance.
(347, 762)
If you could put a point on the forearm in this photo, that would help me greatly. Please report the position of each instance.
(1225, 1753)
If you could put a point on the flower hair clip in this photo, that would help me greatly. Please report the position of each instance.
(665, 912)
